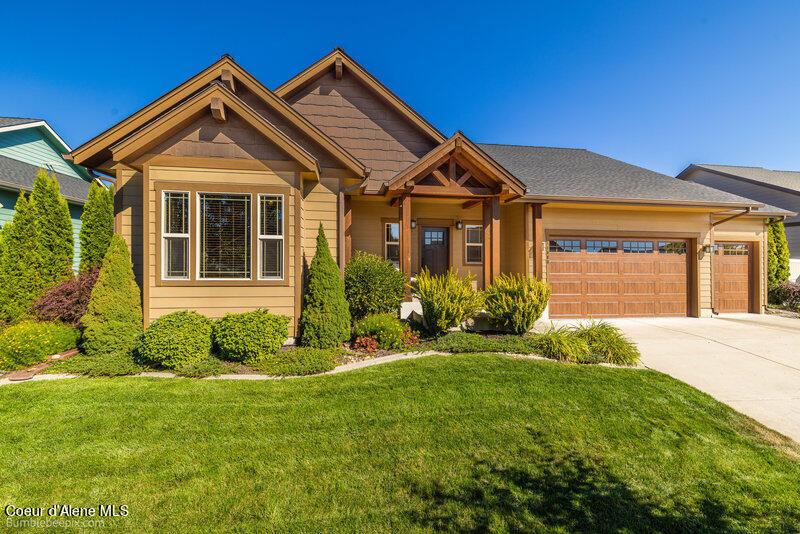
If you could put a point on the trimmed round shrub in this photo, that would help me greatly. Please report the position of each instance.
(177, 339)
(387, 330)
(251, 336)
(515, 302)
(299, 361)
(607, 343)
(373, 285)
(29, 342)
(325, 320)
(447, 300)
(67, 302)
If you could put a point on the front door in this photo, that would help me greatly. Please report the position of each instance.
(435, 244)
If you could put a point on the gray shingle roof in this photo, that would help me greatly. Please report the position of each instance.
(14, 121)
(18, 175)
(785, 179)
(579, 173)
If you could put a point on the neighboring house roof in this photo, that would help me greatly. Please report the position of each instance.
(18, 175)
(575, 173)
(16, 121)
(8, 124)
(785, 180)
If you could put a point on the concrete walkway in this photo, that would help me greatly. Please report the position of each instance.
(750, 362)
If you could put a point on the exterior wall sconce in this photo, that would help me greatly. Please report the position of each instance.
(708, 249)
(413, 223)
(459, 225)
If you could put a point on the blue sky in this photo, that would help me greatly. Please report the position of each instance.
(658, 84)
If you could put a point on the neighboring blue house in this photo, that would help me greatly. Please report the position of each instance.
(27, 145)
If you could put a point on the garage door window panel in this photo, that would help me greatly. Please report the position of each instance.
(565, 245)
(601, 247)
(637, 247)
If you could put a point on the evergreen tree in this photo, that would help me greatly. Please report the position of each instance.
(55, 228)
(325, 321)
(113, 320)
(97, 226)
(777, 254)
(21, 262)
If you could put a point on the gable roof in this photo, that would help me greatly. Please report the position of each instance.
(784, 180)
(582, 175)
(177, 117)
(288, 88)
(8, 124)
(18, 175)
(16, 121)
(96, 150)
(460, 144)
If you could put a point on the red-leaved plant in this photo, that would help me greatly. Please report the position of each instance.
(67, 302)
(366, 344)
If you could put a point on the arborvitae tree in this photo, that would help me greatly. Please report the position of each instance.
(97, 226)
(777, 254)
(20, 262)
(325, 321)
(55, 228)
(113, 320)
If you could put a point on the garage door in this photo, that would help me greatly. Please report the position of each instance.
(732, 277)
(617, 277)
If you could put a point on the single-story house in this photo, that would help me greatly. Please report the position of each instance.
(27, 145)
(222, 184)
(778, 188)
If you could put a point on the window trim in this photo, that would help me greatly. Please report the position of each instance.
(290, 244)
(262, 237)
(167, 235)
(467, 244)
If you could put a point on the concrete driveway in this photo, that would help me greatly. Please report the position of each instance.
(750, 362)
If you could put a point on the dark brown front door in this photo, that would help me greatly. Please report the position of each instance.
(435, 244)
(732, 277)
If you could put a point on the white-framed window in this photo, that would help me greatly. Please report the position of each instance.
(270, 237)
(224, 236)
(175, 235)
(473, 243)
(391, 243)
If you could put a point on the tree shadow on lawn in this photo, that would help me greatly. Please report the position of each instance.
(566, 491)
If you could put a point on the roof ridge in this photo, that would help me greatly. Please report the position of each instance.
(22, 118)
(535, 146)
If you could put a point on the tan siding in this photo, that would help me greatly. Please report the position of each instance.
(362, 123)
(215, 301)
(512, 238)
(320, 206)
(128, 210)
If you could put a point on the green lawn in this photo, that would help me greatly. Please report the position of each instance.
(471, 442)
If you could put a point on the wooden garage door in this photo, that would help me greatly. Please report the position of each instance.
(617, 277)
(732, 277)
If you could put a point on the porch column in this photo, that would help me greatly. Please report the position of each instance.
(491, 239)
(538, 240)
(405, 235)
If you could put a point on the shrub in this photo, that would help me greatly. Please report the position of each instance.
(97, 226)
(67, 302)
(251, 336)
(114, 364)
(205, 367)
(777, 254)
(55, 228)
(299, 361)
(387, 330)
(447, 300)
(325, 321)
(561, 344)
(607, 343)
(21, 280)
(28, 343)
(366, 344)
(113, 319)
(373, 285)
(516, 302)
(788, 294)
(177, 339)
